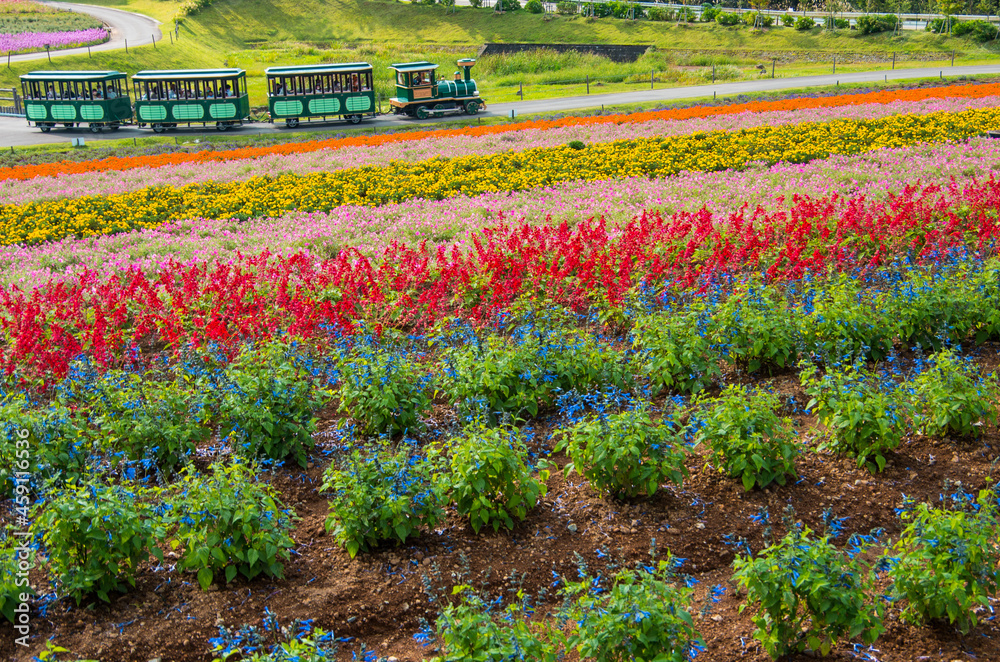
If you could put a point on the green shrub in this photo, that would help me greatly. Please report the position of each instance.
(507, 5)
(865, 413)
(806, 592)
(804, 23)
(534, 7)
(954, 398)
(61, 442)
(470, 630)
(727, 18)
(625, 454)
(873, 24)
(748, 439)
(146, 418)
(566, 8)
(96, 536)
(758, 328)
(841, 323)
(946, 561)
(941, 25)
(521, 373)
(787, 20)
(985, 282)
(674, 350)
(722, 72)
(476, 3)
(645, 616)
(756, 19)
(381, 494)
(383, 390)
(980, 30)
(933, 309)
(489, 479)
(268, 404)
(229, 523)
(710, 14)
(13, 587)
(659, 14)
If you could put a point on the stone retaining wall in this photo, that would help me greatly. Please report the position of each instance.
(614, 52)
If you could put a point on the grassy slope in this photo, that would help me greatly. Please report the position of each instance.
(245, 33)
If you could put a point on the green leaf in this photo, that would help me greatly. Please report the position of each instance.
(205, 576)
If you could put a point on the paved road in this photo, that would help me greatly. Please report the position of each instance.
(136, 28)
(734, 89)
(15, 132)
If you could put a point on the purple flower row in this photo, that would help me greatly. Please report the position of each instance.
(36, 41)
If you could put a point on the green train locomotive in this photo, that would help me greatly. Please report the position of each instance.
(419, 93)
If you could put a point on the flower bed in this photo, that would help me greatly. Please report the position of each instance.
(110, 182)
(27, 42)
(873, 176)
(155, 161)
(588, 265)
(438, 179)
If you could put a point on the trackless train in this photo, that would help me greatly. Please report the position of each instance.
(296, 94)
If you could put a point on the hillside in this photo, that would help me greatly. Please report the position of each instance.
(246, 33)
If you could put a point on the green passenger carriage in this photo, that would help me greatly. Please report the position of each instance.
(419, 93)
(319, 92)
(73, 98)
(164, 99)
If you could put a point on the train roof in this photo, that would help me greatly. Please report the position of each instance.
(188, 74)
(73, 75)
(339, 68)
(413, 66)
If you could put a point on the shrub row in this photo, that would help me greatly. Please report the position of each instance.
(227, 523)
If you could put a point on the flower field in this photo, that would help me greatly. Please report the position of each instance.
(715, 382)
(26, 42)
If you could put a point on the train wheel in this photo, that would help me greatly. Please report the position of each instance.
(95, 128)
(472, 108)
(115, 126)
(221, 126)
(158, 128)
(354, 119)
(422, 113)
(44, 128)
(292, 122)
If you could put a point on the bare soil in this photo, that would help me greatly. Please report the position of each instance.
(379, 598)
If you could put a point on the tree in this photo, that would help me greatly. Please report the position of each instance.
(760, 6)
(947, 9)
(833, 6)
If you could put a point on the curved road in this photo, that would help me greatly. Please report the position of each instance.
(136, 28)
(15, 132)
